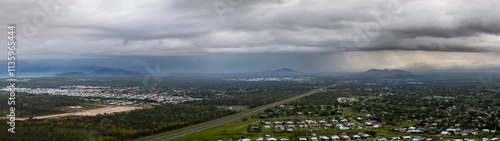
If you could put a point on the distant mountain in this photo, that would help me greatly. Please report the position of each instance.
(285, 70)
(111, 71)
(71, 74)
(386, 72)
(59, 69)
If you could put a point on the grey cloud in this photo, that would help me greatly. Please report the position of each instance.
(85, 29)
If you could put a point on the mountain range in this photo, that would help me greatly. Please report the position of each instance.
(100, 72)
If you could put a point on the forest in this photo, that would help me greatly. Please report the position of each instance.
(29, 105)
(121, 126)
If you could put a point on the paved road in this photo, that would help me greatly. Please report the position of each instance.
(224, 121)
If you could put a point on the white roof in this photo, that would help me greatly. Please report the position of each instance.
(272, 139)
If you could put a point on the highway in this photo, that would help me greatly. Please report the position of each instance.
(228, 119)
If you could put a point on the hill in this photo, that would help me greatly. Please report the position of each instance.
(71, 74)
(285, 70)
(110, 71)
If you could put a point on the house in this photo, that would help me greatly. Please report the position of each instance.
(279, 127)
(445, 133)
(335, 137)
(314, 139)
(289, 130)
(272, 139)
(382, 139)
(356, 137)
(302, 139)
(486, 130)
(366, 136)
(368, 123)
(284, 139)
(344, 128)
(328, 125)
(406, 137)
(267, 126)
(323, 138)
(350, 124)
(244, 140)
(346, 137)
(421, 128)
(396, 138)
(260, 139)
(376, 126)
(414, 131)
(402, 130)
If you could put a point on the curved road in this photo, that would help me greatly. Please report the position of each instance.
(219, 123)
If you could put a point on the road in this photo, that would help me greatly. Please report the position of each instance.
(229, 119)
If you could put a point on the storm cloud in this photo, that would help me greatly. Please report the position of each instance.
(306, 29)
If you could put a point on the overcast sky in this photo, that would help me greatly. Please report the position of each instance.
(257, 35)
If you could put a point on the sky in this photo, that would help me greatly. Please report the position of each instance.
(219, 36)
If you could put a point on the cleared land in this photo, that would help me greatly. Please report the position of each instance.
(93, 112)
(90, 112)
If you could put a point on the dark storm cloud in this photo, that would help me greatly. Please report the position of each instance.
(269, 25)
(151, 28)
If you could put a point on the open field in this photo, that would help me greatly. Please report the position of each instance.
(93, 112)
(89, 112)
